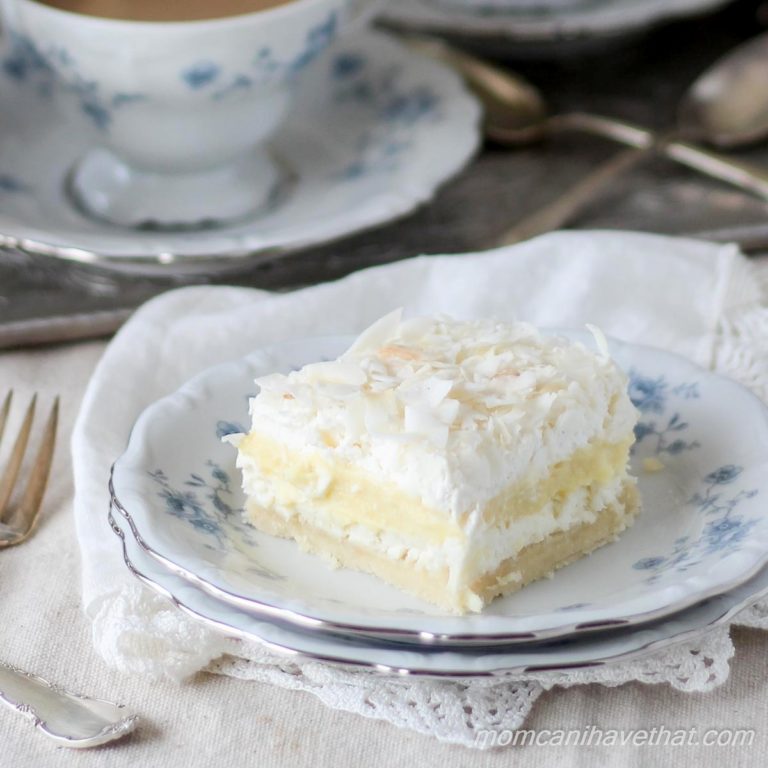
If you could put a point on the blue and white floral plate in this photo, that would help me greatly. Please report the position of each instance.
(434, 661)
(376, 129)
(703, 528)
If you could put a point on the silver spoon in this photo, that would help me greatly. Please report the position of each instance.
(515, 114)
(726, 106)
(69, 719)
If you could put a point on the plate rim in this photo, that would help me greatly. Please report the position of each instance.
(596, 23)
(725, 615)
(309, 619)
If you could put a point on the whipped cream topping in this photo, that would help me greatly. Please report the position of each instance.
(450, 411)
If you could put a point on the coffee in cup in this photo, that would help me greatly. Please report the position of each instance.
(163, 10)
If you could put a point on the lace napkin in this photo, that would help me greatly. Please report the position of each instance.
(704, 301)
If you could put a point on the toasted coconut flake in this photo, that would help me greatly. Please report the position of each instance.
(376, 335)
(436, 390)
(397, 351)
(423, 422)
(600, 341)
(335, 372)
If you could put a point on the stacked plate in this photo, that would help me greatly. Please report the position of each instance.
(541, 28)
(694, 558)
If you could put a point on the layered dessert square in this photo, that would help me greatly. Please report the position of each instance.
(455, 460)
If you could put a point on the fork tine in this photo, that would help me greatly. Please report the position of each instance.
(14, 462)
(25, 515)
(4, 411)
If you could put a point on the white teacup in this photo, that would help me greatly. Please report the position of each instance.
(182, 110)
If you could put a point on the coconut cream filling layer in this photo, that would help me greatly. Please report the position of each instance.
(492, 546)
(345, 503)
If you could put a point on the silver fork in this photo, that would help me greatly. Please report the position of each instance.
(18, 522)
(69, 719)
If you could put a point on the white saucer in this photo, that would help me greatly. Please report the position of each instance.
(414, 660)
(541, 28)
(703, 528)
(376, 129)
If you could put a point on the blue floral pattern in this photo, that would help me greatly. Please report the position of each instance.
(25, 63)
(200, 74)
(203, 502)
(206, 501)
(398, 108)
(211, 78)
(317, 40)
(9, 183)
(224, 428)
(652, 396)
(722, 530)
